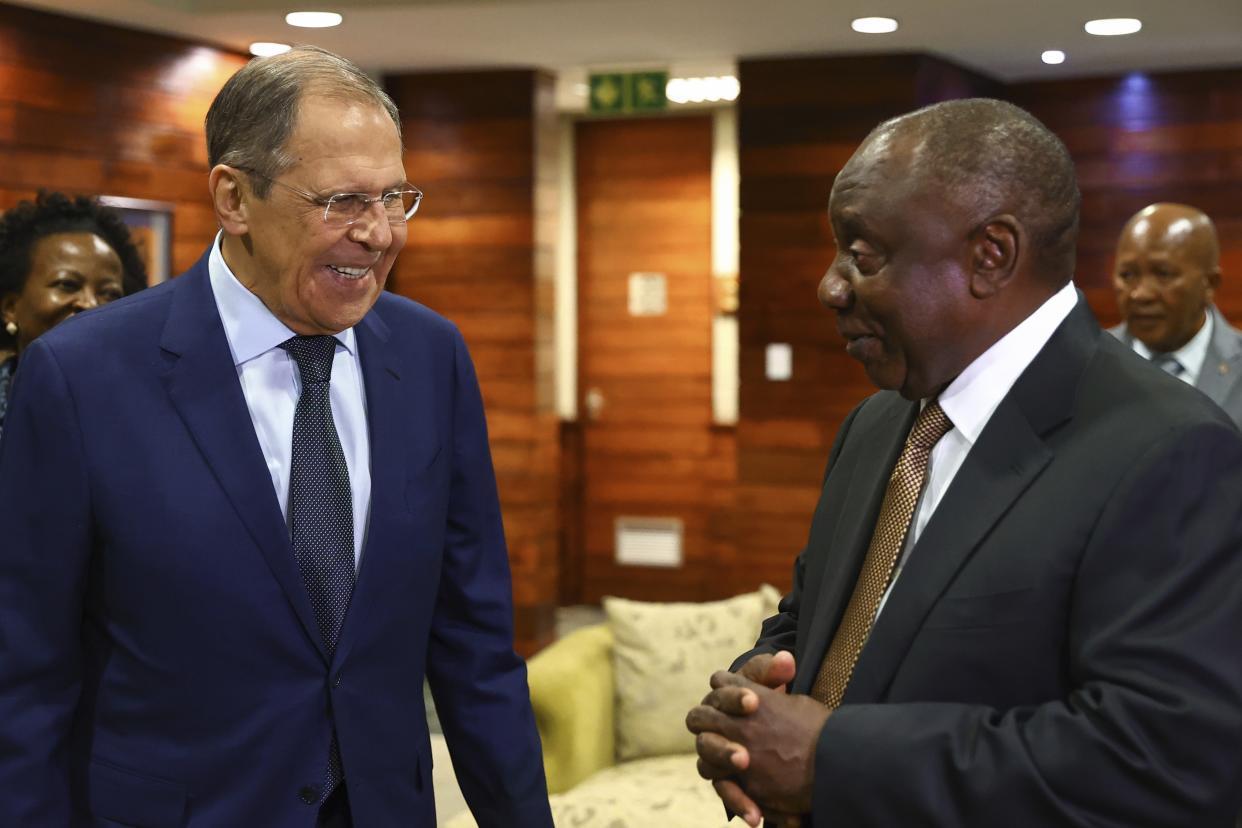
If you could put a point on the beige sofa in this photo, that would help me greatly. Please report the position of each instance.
(610, 702)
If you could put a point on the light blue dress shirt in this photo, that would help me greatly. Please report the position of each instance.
(271, 384)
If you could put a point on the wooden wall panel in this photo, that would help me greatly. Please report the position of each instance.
(96, 109)
(799, 122)
(1141, 138)
(482, 146)
(644, 204)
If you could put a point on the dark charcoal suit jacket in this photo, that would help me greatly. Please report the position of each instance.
(1064, 645)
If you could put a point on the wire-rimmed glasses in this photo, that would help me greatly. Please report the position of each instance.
(343, 209)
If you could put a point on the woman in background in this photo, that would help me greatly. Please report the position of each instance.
(58, 256)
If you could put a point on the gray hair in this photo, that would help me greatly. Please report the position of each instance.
(1001, 158)
(252, 117)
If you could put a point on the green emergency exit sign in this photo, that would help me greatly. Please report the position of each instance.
(621, 92)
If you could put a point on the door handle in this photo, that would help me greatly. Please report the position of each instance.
(594, 402)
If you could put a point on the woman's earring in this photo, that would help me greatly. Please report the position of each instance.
(10, 328)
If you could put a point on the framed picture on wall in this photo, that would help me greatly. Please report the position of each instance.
(150, 225)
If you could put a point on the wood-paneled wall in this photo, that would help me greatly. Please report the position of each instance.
(481, 145)
(91, 108)
(1142, 138)
(102, 110)
(799, 122)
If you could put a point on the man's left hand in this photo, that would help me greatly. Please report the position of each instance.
(778, 733)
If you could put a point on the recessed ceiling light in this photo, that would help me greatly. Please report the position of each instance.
(874, 25)
(1053, 57)
(1113, 26)
(266, 49)
(313, 20)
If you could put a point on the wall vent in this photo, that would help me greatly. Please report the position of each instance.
(649, 541)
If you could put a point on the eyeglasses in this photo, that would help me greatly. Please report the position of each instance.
(346, 208)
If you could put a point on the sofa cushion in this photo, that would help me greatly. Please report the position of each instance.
(663, 655)
(571, 692)
(664, 791)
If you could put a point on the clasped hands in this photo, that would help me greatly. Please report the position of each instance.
(756, 743)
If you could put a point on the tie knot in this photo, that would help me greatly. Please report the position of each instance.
(313, 354)
(1168, 363)
(931, 424)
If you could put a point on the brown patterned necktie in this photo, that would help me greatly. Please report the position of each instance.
(902, 495)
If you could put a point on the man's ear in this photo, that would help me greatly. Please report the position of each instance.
(994, 248)
(230, 198)
(1213, 283)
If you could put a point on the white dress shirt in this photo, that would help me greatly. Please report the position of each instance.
(271, 383)
(970, 400)
(1191, 356)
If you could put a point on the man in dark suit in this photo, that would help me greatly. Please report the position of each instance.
(1020, 602)
(1166, 273)
(245, 514)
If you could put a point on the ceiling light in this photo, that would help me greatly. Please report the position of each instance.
(266, 49)
(1053, 57)
(313, 20)
(874, 25)
(700, 90)
(1113, 26)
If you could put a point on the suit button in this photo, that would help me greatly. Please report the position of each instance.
(336, 682)
(309, 794)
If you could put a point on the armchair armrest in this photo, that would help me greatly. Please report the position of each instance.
(573, 696)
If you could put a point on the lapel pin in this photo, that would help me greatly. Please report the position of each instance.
(1224, 368)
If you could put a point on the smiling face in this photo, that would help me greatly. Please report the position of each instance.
(315, 277)
(1166, 271)
(69, 272)
(899, 284)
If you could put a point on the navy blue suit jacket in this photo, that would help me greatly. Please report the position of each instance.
(160, 664)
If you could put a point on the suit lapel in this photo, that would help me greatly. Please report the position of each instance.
(1008, 456)
(387, 418)
(887, 432)
(202, 383)
(1222, 366)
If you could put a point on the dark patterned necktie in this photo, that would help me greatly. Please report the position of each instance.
(900, 498)
(321, 513)
(1169, 364)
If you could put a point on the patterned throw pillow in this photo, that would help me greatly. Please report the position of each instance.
(663, 656)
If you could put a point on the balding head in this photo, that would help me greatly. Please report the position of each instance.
(1167, 269)
(1180, 225)
(992, 157)
(953, 224)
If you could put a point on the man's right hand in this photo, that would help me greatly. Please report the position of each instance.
(719, 758)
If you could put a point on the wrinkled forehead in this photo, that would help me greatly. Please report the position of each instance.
(882, 162)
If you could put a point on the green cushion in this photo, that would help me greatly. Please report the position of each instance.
(571, 690)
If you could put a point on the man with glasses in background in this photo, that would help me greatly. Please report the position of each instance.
(250, 511)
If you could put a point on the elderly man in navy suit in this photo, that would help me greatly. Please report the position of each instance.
(248, 512)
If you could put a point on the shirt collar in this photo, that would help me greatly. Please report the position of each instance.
(976, 392)
(1192, 355)
(250, 327)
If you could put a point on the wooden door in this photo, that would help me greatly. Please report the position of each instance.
(648, 445)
